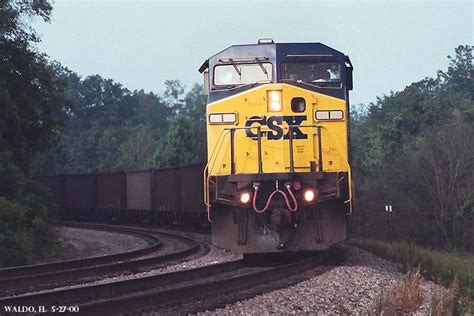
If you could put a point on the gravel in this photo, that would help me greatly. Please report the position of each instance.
(214, 256)
(79, 243)
(352, 288)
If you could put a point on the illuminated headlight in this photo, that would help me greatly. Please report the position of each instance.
(274, 101)
(245, 197)
(310, 195)
(222, 118)
(330, 115)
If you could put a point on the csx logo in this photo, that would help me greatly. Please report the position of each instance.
(274, 123)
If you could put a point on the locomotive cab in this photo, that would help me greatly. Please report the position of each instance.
(278, 176)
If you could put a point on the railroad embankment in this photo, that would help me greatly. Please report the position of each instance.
(453, 270)
(77, 243)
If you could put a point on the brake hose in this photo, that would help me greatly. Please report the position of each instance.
(270, 198)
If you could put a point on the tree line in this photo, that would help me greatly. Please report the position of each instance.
(414, 150)
(54, 121)
(110, 128)
(32, 109)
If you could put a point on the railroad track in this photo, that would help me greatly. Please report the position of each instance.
(14, 281)
(186, 291)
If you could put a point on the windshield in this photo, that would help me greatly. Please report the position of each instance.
(237, 74)
(311, 71)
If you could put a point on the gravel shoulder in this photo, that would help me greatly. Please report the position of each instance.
(77, 243)
(214, 256)
(352, 288)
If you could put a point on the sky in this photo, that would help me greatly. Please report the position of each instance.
(143, 43)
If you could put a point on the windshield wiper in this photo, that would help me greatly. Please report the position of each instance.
(261, 66)
(235, 67)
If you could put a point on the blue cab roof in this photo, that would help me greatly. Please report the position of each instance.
(276, 53)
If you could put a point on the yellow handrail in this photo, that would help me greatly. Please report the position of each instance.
(349, 171)
(213, 158)
(206, 173)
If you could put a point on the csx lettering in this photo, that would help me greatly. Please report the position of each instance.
(274, 124)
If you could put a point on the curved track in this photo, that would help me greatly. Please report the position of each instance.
(14, 281)
(179, 292)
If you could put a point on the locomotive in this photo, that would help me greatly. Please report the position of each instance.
(278, 177)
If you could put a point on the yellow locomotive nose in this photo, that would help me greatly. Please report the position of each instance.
(278, 166)
(276, 125)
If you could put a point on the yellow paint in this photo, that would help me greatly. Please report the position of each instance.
(275, 153)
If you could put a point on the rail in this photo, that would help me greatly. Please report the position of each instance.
(320, 162)
(22, 280)
(208, 168)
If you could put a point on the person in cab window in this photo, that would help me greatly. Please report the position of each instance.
(321, 74)
(334, 72)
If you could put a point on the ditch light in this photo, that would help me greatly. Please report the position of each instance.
(222, 118)
(329, 115)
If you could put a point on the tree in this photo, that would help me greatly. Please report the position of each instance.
(173, 96)
(31, 100)
(183, 144)
(442, 172)
(195, 104)
(460, 72)
(31, 114)
(412, 149)
(136, 153)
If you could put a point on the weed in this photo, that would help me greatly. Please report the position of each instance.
(407, 292)
(384, 305)
(435, 265)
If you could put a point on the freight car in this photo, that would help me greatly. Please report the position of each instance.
(278, 177)
(164, 196)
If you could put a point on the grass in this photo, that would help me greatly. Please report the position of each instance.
(406, 298)
(407, 292)
(447, 302)
(439, 266)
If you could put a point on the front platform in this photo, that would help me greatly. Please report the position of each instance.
(244, 231)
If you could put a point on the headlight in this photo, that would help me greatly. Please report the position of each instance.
(274, 101)
(329, 115)
(222, 118)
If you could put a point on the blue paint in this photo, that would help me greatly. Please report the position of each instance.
(278, 53)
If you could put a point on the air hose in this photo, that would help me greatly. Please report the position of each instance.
(291, 209)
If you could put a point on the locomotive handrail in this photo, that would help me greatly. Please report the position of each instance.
(231, 130)
(320, 156)
(212, 158)
(320, 163)
(206, 173)
(232, 149)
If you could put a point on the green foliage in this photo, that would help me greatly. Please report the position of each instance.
(184, 144)
(25, 211)
(31, 102)
(460, 72)
(12, 15)
(32, 110)
(16, 244)
(109, 128)
(413, 149)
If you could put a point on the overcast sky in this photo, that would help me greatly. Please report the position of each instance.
(143, 43)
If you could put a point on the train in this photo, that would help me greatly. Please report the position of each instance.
(278, 176)
(170, 196)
